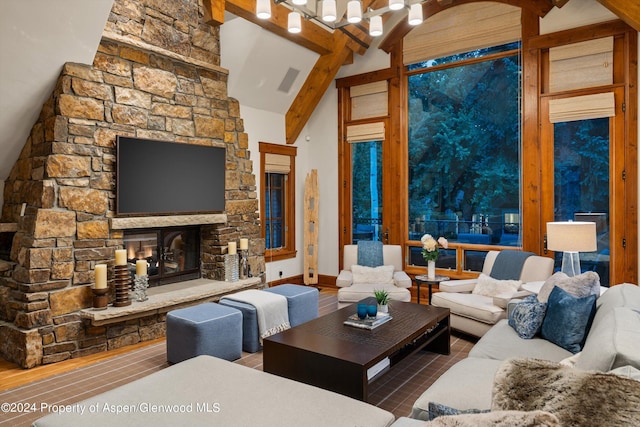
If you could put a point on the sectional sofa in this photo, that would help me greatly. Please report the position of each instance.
(612, 344)
(211, 391)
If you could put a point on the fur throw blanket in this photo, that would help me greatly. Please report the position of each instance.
(497, 419)
(576, 397)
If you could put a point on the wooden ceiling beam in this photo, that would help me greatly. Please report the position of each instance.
(314, 87)
(312, 36)
(214, 11)
(628, 11)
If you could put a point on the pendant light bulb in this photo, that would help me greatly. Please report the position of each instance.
(354, 12)
(375, 26)
(415, 14)
(396, 4)
(300, 2)
(294, 22)
(263, 9)
(329, 13)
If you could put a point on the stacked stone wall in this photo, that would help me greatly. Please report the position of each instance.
(156, 75)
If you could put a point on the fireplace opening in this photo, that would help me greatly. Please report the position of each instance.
(172, 253)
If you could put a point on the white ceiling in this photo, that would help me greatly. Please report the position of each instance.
(258, 61)
(37, 37)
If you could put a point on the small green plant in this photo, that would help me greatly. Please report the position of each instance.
(382, 296)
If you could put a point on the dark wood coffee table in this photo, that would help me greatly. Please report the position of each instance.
(328, 354)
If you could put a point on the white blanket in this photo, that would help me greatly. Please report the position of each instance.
(271, 310)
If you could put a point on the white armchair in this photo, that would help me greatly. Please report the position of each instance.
(476, 313)
(395, 281)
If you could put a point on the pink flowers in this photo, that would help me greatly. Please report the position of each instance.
(430, 246)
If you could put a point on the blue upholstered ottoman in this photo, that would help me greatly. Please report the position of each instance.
(250, 334)
(302, 302)
(208, 328)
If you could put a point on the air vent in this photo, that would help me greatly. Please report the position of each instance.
(289, 78)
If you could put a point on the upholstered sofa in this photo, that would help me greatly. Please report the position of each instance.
(611, 345)
(475, 313)
(355, 286)
(209, 391)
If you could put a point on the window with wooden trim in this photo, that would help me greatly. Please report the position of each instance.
(277, 200)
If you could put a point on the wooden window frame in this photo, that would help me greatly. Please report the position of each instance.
(288, 249)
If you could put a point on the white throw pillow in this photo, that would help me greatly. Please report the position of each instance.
(382, 275)
(490, 287)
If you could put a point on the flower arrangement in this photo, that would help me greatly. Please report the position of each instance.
(430, 247)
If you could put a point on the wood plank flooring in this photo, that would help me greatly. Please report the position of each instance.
(77, 379)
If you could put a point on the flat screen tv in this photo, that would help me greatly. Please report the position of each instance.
(163, 178)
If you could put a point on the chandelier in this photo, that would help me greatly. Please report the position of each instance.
(324, 12)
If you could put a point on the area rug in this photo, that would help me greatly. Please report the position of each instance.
(576, 397)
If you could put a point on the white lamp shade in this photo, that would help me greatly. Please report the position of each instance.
(396, 4)
(415, 14)
(263, 9)
(354, 12)
(300, 2)
(572, 236)
(329, 13)
(294, 22)
(375, 26)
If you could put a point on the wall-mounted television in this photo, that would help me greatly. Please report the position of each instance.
(163, 178)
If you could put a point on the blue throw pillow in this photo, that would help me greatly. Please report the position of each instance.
(568, 319)
(437, 410)
(527, 316)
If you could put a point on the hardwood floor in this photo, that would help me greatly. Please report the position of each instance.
(74, 380)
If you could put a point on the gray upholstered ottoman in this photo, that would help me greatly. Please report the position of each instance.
(302, 302)
(205, 329)
(250, 334)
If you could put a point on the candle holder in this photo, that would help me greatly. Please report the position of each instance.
(123, 286)
(244, 264)
(100, 298)
(140, 285)
(231, 268)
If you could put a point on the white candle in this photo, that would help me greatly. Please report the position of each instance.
(101, 276)
(121, 257)
(244, 244)
(231, 248)
(141, 267)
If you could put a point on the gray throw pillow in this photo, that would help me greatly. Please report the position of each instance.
(579, 286)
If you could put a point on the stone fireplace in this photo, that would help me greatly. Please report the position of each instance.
(155, 75)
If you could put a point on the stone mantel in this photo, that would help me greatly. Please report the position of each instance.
(166, 221)
(165, 298)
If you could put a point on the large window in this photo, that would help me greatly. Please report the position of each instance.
(277, 201)
(464, 148)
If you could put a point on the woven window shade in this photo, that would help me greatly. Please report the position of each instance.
(461, 29)
(277, 163)
(369, 100)
(581, 65)
(582, 107)
(366, 132)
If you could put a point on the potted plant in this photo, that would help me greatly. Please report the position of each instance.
(382, 296)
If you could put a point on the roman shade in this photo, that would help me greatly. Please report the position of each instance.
(462, 29)
(369, 100)
(365, 132)
(277, 163)
(582, 107)
(581, 65)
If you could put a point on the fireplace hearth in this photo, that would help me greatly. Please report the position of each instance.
(172, 254)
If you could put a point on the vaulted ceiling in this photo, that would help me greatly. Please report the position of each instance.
(38, 36)
(337, 48)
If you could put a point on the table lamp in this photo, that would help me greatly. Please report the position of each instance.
(571, 237)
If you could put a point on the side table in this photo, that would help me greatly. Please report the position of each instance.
(423, 278)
